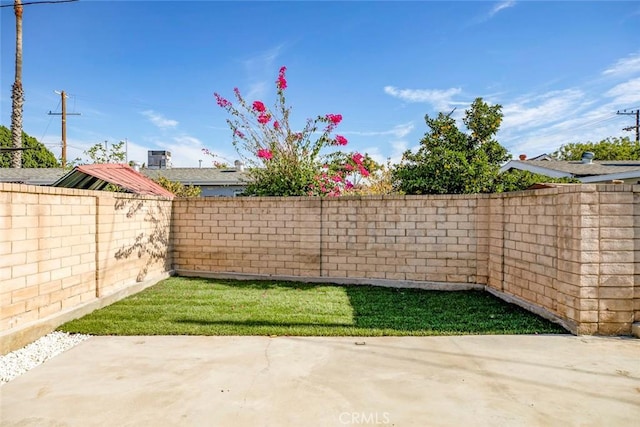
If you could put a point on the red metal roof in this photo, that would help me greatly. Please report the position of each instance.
(126, 177)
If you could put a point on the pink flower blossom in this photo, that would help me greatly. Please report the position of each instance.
(348, 185)
(336, 178)
(238, 133)
(264, 118)
(341, 140)
(334, 118)
(221, 101)
(348, 167)
(281, 83)
(265, 154)
(357, 158)
(276, 125)
(259, 106)
(363, 171)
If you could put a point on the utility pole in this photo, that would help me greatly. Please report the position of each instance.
(637, 126)
(64, 115)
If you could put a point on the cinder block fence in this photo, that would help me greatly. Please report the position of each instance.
(568, 253)
(64, 253)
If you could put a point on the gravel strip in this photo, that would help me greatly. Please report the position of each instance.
(20, 361)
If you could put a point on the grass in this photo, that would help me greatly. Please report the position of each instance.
(187, 306)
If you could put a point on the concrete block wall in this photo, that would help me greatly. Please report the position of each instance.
(401, 238)
(47, 252)
(133, 241)
(572, 250)
(268, 236)
(568, 252)
(537, 249)
(618, 284)
(391, 238)
(63, 249)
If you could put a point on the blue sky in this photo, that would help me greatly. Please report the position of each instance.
(145, 71)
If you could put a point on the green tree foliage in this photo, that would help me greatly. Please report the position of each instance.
(450, 161)
(607, 149)
(103, 153)
(179, 189)
(38, 156)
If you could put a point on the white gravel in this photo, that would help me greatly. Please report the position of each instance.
(20, 361)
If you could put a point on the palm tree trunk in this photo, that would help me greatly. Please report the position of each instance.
(17, 93)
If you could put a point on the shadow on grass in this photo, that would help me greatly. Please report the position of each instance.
(460, 311)
(197, 306)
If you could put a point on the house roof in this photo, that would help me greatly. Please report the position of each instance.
(187, 176)
(578, 168)
(200, 176)
(98, 176)
(597, 171)
(33, 176)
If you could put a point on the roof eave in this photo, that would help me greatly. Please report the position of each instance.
(515, 164)
(610, 176)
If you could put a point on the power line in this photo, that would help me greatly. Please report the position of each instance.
(637, 126)
(590, 123)
(40, 2)
(559, 132)
(48, 124)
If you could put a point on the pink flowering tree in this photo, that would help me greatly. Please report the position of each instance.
(283, 161)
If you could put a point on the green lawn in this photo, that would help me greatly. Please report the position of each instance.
(186, 306)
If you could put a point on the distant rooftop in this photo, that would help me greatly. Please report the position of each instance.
(578, 168)
(32, 176)
(199, 176)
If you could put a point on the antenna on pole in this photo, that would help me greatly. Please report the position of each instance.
(64, 115)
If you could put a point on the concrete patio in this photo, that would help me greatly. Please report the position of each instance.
(560, 380)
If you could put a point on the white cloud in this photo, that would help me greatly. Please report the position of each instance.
(592, 125)
(159, 120)
(137, 152)
(440, 99)
(498, 7)
(257, 90)
(398, 131)
(260, 71)
(542, 110)
(398, 147)
(626, 93)
(186, 152)
(628, 65)
(547, 140)
(501, 6)
(262, 60)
